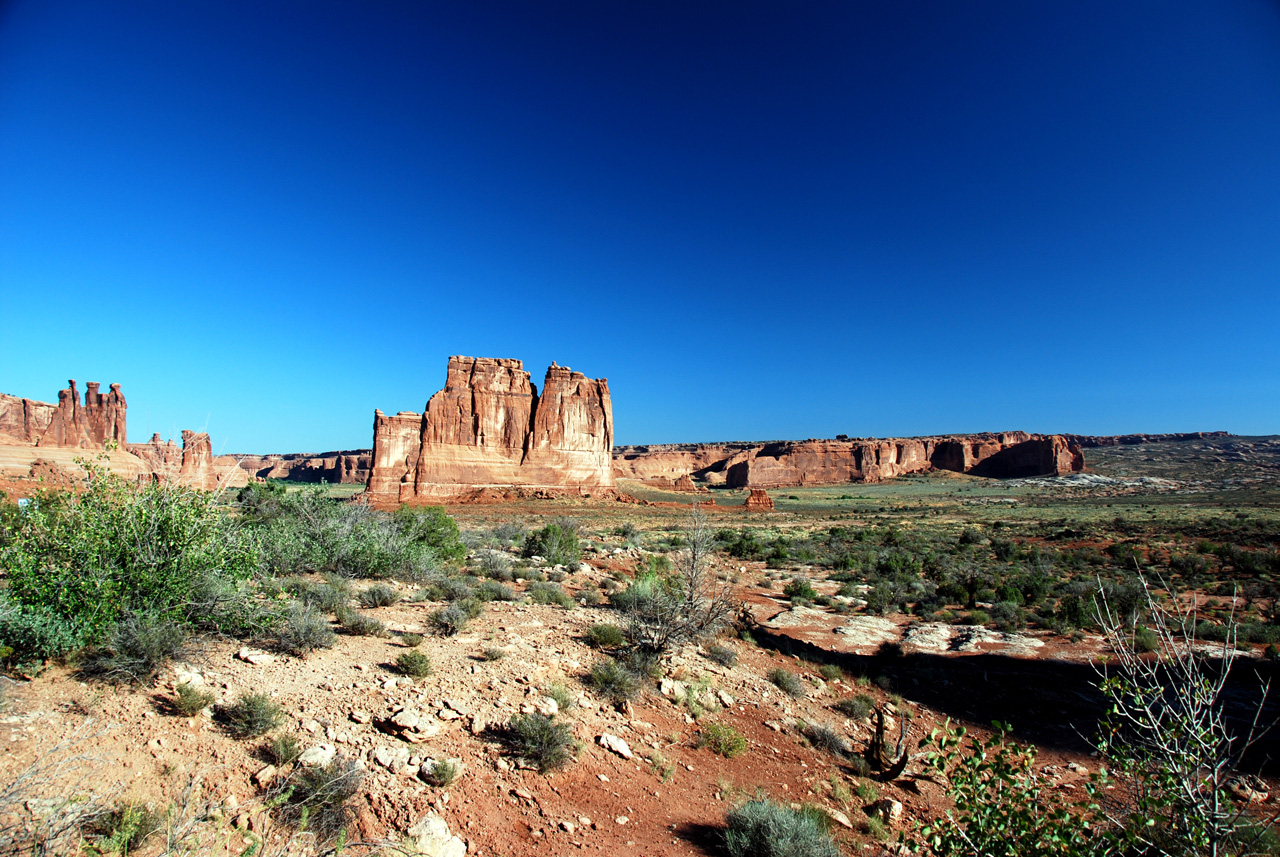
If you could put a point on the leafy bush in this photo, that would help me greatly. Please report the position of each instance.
(117, 547)
(492, 654)
(722, 739)
(555, 542)
(762, 828)
(330, 596)
(379, 595)
(830, 672)
(495, 565)
(414, 664)
(788, 682)
(303, 630)
(543, 741)
(614, 680)
(722, 655)
(563, 698)
(253, 714)
(605, 636)
(433, 528)
(29, 635)
(124, 828)
(411, 640)
(189, 700)
(442, 773)
(550, 593)
(491, 590)
(800, 587)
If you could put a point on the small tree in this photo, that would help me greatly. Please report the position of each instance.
(1166, 734)
(684, 606)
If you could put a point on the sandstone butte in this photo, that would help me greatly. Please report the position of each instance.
(40, 439)
(781, 464)
(490, 430)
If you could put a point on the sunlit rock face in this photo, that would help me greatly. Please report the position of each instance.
(489, 428)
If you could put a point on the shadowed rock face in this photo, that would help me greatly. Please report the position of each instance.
(489, 428)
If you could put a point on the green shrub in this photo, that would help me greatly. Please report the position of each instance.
(451, 620)
(614, 681)
(856, 707)
(563, 698)
(411, 640)
(442, 773)
(555, 542)
(35, 634)
(360, 624)
(117, 547)
(788, 682)
(330, 596)
(414, 664)
(491, 590)
(284, 749)
(1145, 639)
(827, 739)
(541, 740)
(722, 739)
(253, 714)
(319, 795)
(762, 828)
(722, 655)
(303, 630)
(189, 700)
(605, 636)
(492, 654)
(136, 648)
(550, 593)
(124, 828)
(800, 587)
(830, 672)
(379, 595)
(433, 528)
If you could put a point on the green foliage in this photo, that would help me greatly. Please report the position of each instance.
(614, 680)
(827, 738)
(492, 654)
(550, 593)
(443, 773)
(330, 596)
(284, 749)
(414, 664)
(303, 630)
(491, 590)
(1001, 809)
(830, 672)
(451, 620)
(762, 828)
(432, 527)
(253, 714)
(121, 830)
(800, 588)
(556, 542)
(29, 635)
(857, 707)
(411, 640)
(117, 547)
(564, 699)
(317, 796)
(136, 648)
(605, 636)
(788, 682)
(543, 741)
(722, 739)
(379, 595)
(189, 700)
(360, 624)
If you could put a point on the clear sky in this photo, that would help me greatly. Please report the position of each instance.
(757, 220)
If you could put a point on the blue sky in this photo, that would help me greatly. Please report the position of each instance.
(757, 220)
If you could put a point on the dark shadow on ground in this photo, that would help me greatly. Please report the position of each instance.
(707, 838)
(1053, 704)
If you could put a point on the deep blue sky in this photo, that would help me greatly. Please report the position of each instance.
(757, 220)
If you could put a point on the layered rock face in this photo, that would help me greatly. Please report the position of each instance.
(780, 464)
(192, 464)
(70, 424)
(489, 428)
(759, 500)
(338, 467)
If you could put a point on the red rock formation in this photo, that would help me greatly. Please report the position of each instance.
(759, 500)
(101, 419)
(339, 467)
(1087, 441)
(489, 428)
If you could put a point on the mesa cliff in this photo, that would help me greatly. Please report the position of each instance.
(489, 428)
(781, 464)
(41, 440)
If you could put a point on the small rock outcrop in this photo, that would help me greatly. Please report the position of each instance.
(759, 500)
(490, 429)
